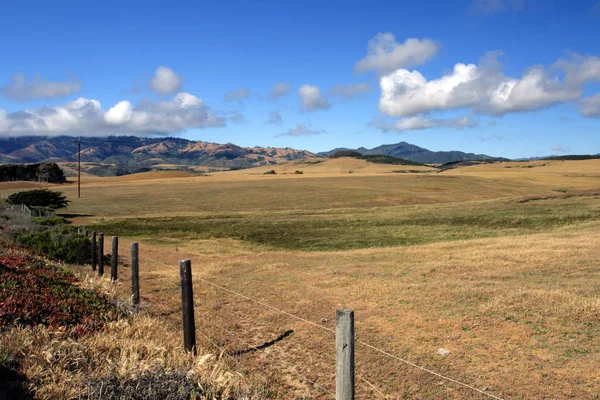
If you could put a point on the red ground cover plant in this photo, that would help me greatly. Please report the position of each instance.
(33, 292)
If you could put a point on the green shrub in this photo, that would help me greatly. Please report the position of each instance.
(51, 221)
(60, 243)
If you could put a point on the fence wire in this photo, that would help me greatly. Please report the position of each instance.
(314, 324)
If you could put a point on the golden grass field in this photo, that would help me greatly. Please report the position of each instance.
(497, 263)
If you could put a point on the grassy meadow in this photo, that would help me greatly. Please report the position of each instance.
(497, 263)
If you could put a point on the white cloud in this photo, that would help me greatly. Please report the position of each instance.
(590, 106)
(497, 6)
(484, 89)
(312, 99)
(561, 149)
(420, 122)
(20, 90)
(280, 90)
(86, 117)
(349, 91)
(301, 130)
(384, 54)
(579, 69)
(239, 94)
(165, 81)
(274, 118)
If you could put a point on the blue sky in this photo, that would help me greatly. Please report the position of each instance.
(511, 78)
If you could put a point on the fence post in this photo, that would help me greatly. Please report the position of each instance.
(94, 260)
(114, 259)
(187, 305)
(100, 254)
(344, 354)
(135, 277)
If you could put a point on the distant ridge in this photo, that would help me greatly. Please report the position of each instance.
(132, 154)
(418, 154)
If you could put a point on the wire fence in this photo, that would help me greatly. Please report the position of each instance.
(322, 388)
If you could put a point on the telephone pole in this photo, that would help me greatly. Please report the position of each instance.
(78, 167)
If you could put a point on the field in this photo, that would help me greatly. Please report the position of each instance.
(496, 263)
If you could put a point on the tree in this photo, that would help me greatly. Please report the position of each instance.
(39, 198)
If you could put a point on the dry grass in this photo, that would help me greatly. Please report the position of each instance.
(60, 367)
(519, 311)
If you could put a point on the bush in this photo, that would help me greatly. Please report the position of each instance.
(271, 172)
(51, 221)
(39, 198)
(298, 172)
(60, 242)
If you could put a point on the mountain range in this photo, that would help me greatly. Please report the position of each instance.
(411, 152)
(132, 153)
(117, 155)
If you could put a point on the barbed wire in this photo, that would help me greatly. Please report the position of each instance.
(381, 351)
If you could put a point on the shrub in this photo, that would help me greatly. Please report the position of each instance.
(60, 243)
(39, 198)
(51, 221)
(271, 172)
(298, 172)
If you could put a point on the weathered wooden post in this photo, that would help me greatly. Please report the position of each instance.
(94, 251)
(187, 305)
(100, 254)
(135, 277)
(344, 354)
(114, 258)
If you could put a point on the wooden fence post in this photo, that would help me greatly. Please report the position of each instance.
(187, 305)
(114, 258)
(344, 354)
(135, 277)
(100, 254)
(94, 251)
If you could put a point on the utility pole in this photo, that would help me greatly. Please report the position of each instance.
(79, 168)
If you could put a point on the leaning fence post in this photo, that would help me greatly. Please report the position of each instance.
(187, 305)
(114, 259)
(344, 354)
(100, 254)
(135, 276)
(94, 251)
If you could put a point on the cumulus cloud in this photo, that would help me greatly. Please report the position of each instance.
(561, 149)
(590, 106)
(312, 99)
(165, 81)
(274, 118)
(20, 89)
(301, 130)
(349, 91)
(497, 6)
(86, 117)
(421, 122)
(579, 69)
(384, 54)
(239, 94)
(483, 88)
(280, 90)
